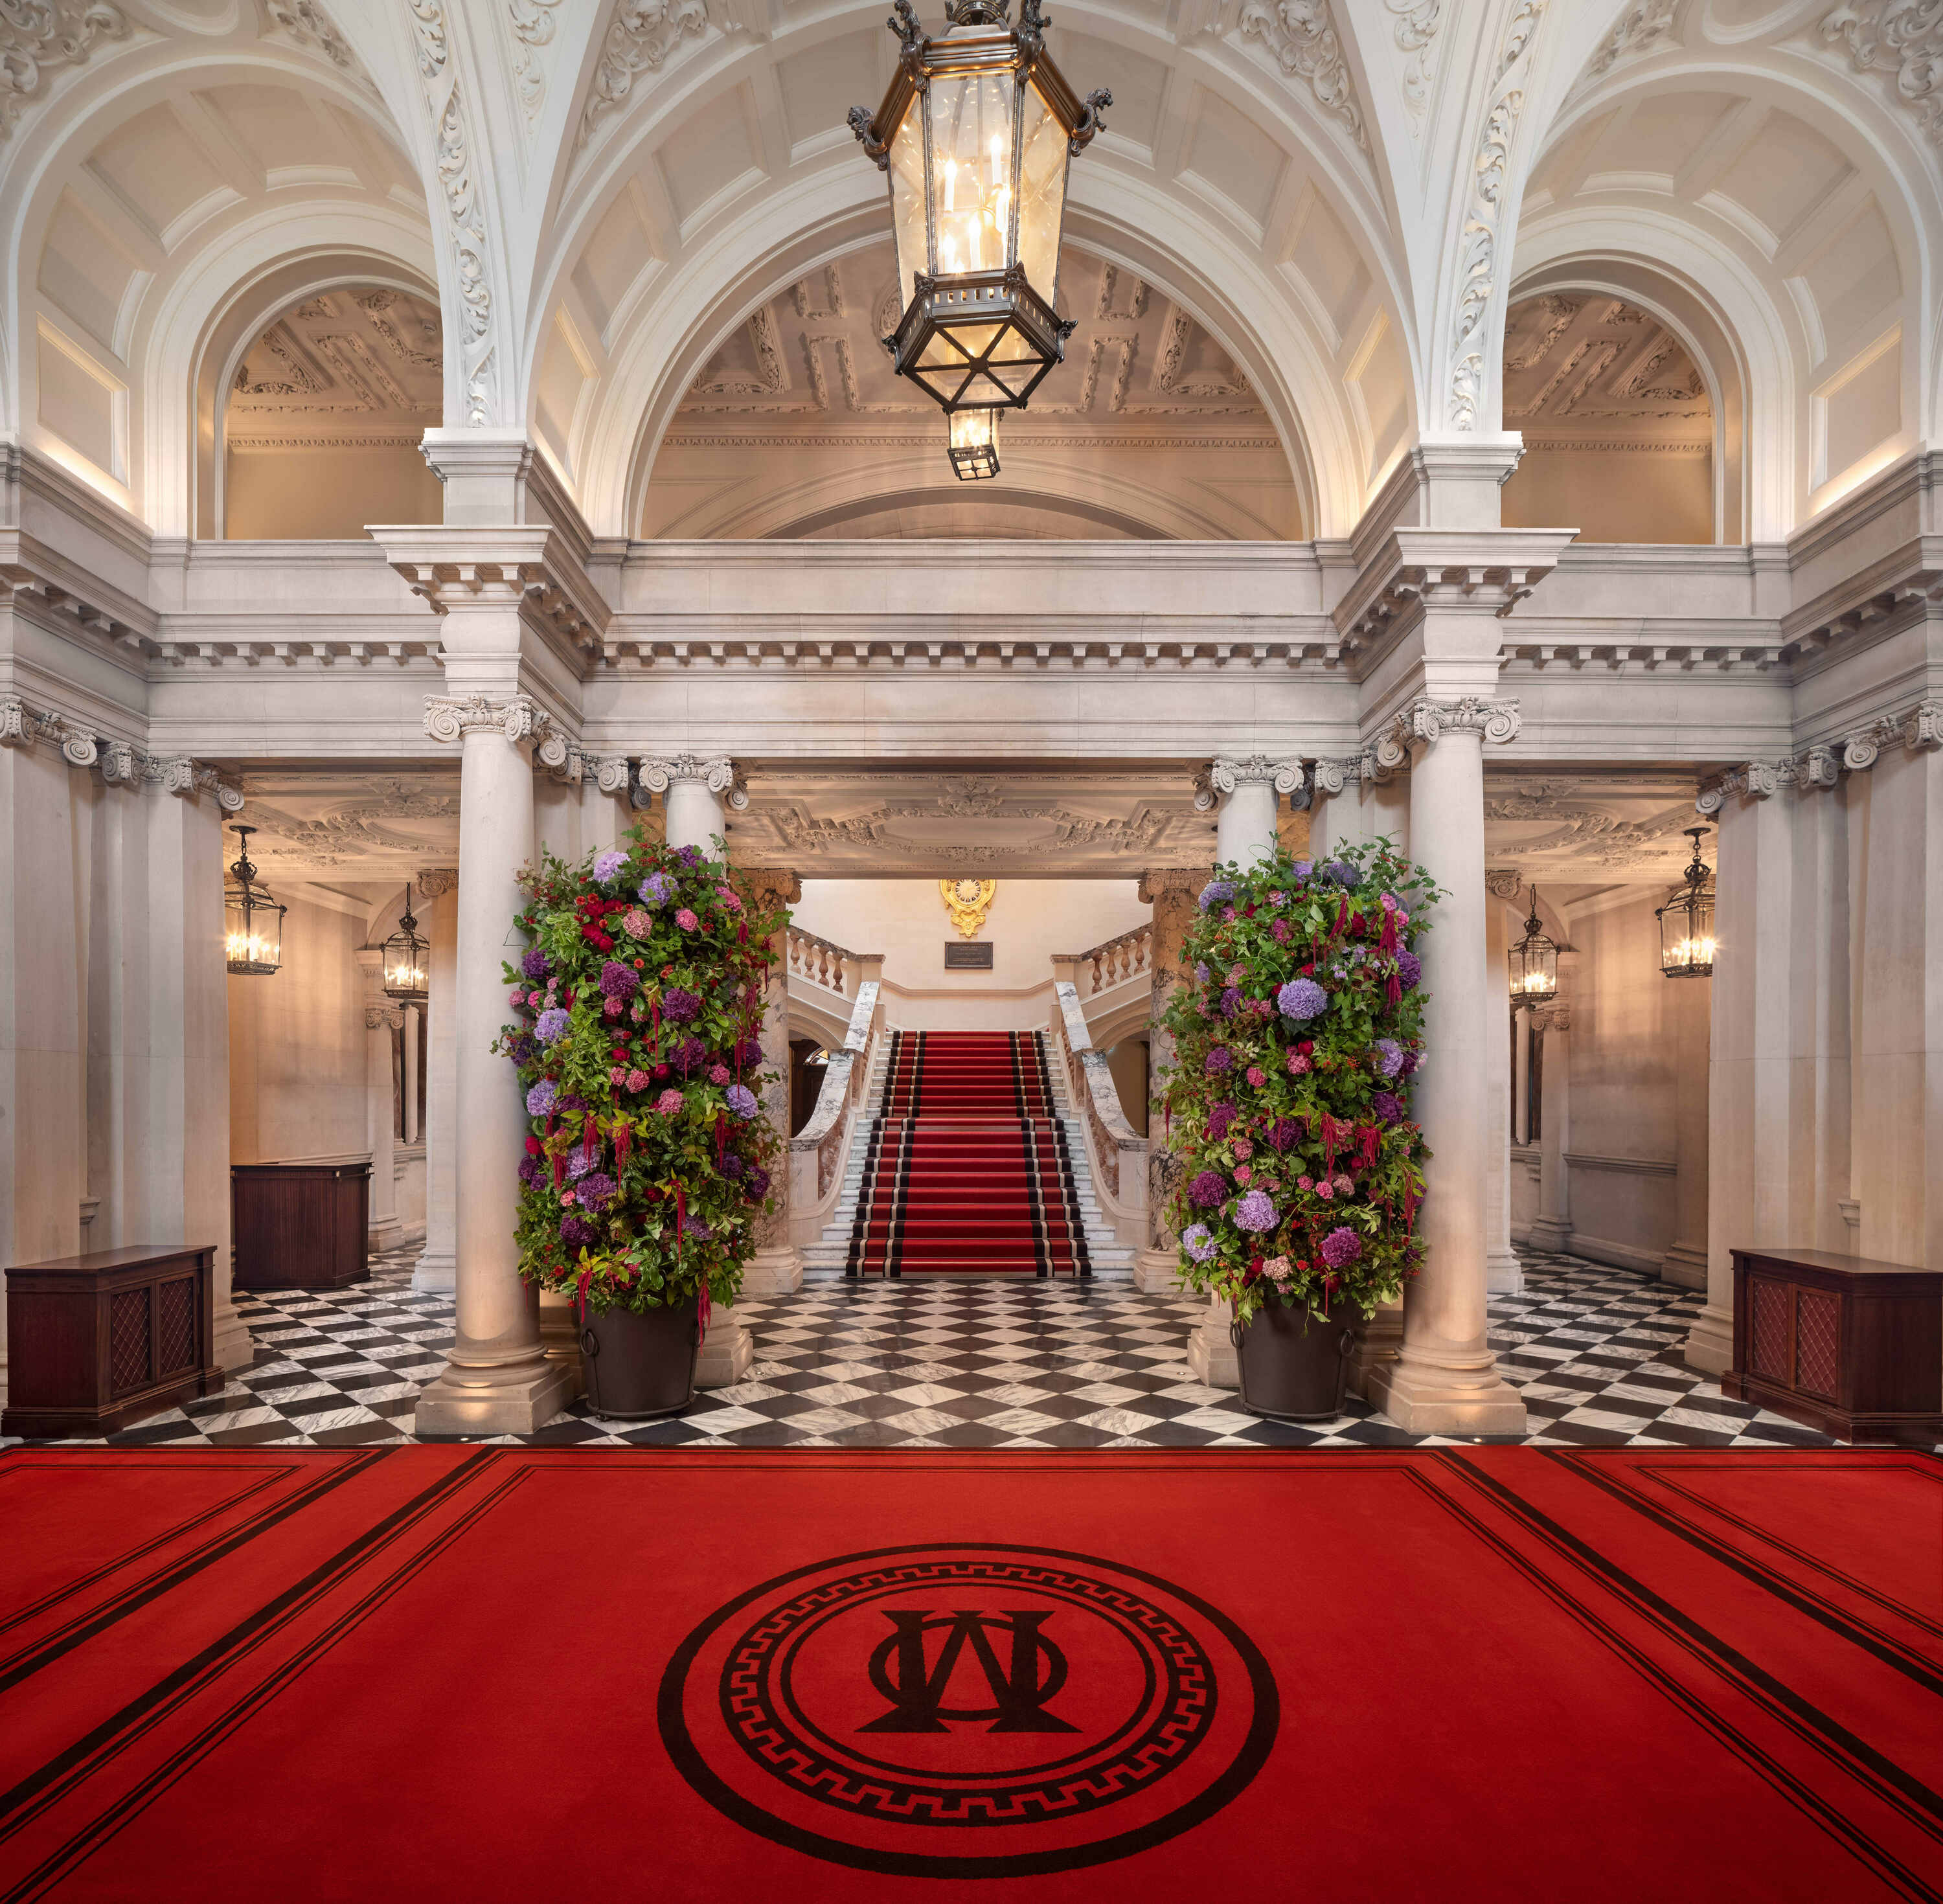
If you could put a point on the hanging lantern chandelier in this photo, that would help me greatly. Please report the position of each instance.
(253, 921)
(975, 131)
(1534, 963)
(406, 958)
(973, 444)
(1687, 920)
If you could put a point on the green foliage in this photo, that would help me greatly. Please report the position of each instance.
(639, 1009)
(1297, 1025)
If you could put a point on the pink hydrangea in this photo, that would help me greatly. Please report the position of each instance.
(1257, 1077)
(616, 1074)
(519, 996)
(1324, 1189)
(1344, 1186)
(1243, 1173)
(1243, 1149)
(637, 921)
(1297, 1064)
(729, 898)
(636, 1081)
(686, 920)
(668, 1103)
(1304, 1182)
(718, 1074)
(1277, 1269)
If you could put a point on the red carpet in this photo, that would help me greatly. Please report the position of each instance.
(967, 1171)
(503, 1673)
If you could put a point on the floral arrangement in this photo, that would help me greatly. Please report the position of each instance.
(637, 1041)
(1297, 1030)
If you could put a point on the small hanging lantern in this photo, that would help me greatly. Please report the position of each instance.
(975, 130)
(1534, 963)
(406, 958)
(253, 921)
(1687, 920)
(974, 444)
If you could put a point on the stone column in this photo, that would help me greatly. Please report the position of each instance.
(1335, 816)
(1503, 1273)
(1171, 894)
(498, 1379)
(1521, 1107)
(1445, 1379)
(382, 1018)
(696, 791)
(438, 1262)
(1246, 791)
(776, 1268)
(409, 1085)
(1552, 1230)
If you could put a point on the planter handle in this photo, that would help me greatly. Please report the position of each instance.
(589, 1343)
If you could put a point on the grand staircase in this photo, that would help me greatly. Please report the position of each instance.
(969, 1164)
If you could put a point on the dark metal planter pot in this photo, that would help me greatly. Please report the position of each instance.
(640, 1367)
(1294, 1367)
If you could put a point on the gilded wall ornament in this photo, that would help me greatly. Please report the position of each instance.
(968, 901)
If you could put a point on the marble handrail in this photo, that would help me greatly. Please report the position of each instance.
(817, 1151)
(1117, 1151)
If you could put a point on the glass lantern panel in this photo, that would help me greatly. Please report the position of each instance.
(971, 169)
(940, 349)
(1041, 194)
(907, 223)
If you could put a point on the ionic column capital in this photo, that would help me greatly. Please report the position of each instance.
(517, 717)
(717, 772)
(434, 882)
(1158, 883)
(1226, 772)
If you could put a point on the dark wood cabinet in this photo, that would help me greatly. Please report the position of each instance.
(1847, 1344)
(96, 1343)
(301, 1224)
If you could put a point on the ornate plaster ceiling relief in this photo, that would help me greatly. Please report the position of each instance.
(640, 38)
(530, 24)
(1642, 28)
(38, 38)
(353, 824)
(354, 367)
(1301, 34)
(839, 825)
(1415, 31)
(1585, 370)
(1901, 37)
(1559, 827)
(1147, 406)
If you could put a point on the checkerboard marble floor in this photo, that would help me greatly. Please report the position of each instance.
(983, 1363)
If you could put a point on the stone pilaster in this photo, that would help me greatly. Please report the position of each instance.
(1551, 1229)
(436, 1266)
(1172, 893)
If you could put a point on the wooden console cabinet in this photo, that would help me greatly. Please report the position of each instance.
(301, 1224)
(1845, 1344)
(95, 1343)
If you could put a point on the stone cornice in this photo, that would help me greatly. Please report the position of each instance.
(1875, 600)
(533, 567)
(66, 597)
(1476, 571)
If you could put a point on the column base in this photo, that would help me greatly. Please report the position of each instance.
(387, 1232)
(560, 1340)
(231, 1339)
(1429, 1400)
(514, 1399)
(1685, 1264)
(1549, 1235)
(1375, 1342)
(437, 1273)
(727, 1351)
(1157, 1272)
(1709, 1342)
(773, 1272)
(1504, 1274)
(1210, 1353)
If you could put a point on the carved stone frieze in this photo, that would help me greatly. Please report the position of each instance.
(306, 22)
(37, 37)
(1904, 37)
(640, 37)
(1302, 35)
(531, 22)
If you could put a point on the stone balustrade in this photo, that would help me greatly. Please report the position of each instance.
(1114, 962)
(833, 968)
(817, 1153)
(1117, 1152)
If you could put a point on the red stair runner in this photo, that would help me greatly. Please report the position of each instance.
(968, 1172)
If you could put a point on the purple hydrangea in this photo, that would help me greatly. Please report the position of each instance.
(657, 889)
(551, 1026)
(1219, 1120)
(618, 981)
(1386, 1106)
(1207, 1189)
(1231, 1001)
(733, 1164)
(749, 1051)
(1215, 892)
(1201, 970)
(542, 1098)
(1389, 1057)
(535, 964)
(522, 1050)
(680, 1007)
(690, 1054)
(1342, 872)
(598, 1191)
(689, 856)
(759, 1183)
(693, 1226)
(1255, 1211)
(741, 1101)
(1217, 1062)
(1409, 969)
(578, 1163)
(531, 1171)
(1301, 999)
(606, 865)
(1304, 868)
(577, 1228)
(1284, 1134)
(1197, 1241)
(1342, 1245)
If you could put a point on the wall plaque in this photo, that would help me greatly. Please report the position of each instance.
(959, 956)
